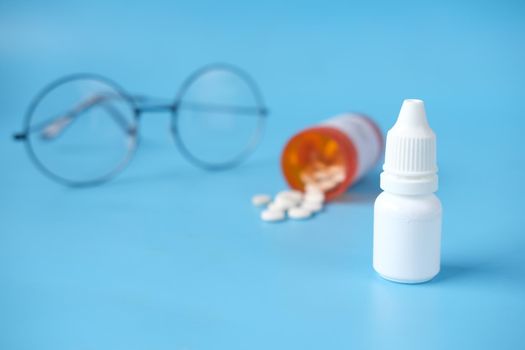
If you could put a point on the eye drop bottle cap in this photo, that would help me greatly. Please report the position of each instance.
(410, 156)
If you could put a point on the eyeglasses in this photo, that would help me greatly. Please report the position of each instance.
(82, 129)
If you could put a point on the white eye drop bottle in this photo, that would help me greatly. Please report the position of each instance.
(407, 215)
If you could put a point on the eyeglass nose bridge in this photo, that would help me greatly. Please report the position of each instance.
(156, 108)
(147, 104)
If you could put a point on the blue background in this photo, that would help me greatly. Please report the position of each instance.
(168, 256)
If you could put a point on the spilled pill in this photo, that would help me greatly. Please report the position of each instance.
(327, 185)
(272, 215)
(261, 199)
(293, 195)
(314, 207)
(293, 204)
(299, 213)
(339, 177)
(283, 203)
(314, 196)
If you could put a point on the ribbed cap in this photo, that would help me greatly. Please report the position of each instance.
(410, 156)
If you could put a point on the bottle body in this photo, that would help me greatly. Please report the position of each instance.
(407, 237)
(333, 154)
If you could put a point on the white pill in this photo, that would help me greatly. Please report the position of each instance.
(285, 202)
(314, 207)
(299, 213)
(261, 199)
(314, 196)
(312, 187)
(334, 169)
(327, 185)
(272, 215)
(275, 207)
(291, 195)
(281, 204)
(339, 177)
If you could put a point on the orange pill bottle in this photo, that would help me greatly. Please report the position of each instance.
(333, 154)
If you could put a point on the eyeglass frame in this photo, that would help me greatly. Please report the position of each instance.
(148, 106)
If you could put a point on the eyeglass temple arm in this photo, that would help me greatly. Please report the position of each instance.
(55, 126)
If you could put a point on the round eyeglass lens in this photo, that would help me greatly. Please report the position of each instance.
(81, 130)
(219, 118)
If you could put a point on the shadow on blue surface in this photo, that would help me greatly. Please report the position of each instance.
(483, 273)
(364, 191)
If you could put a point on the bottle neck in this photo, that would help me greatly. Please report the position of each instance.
(408, 185)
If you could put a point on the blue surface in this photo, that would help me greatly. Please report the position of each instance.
(170, 257)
